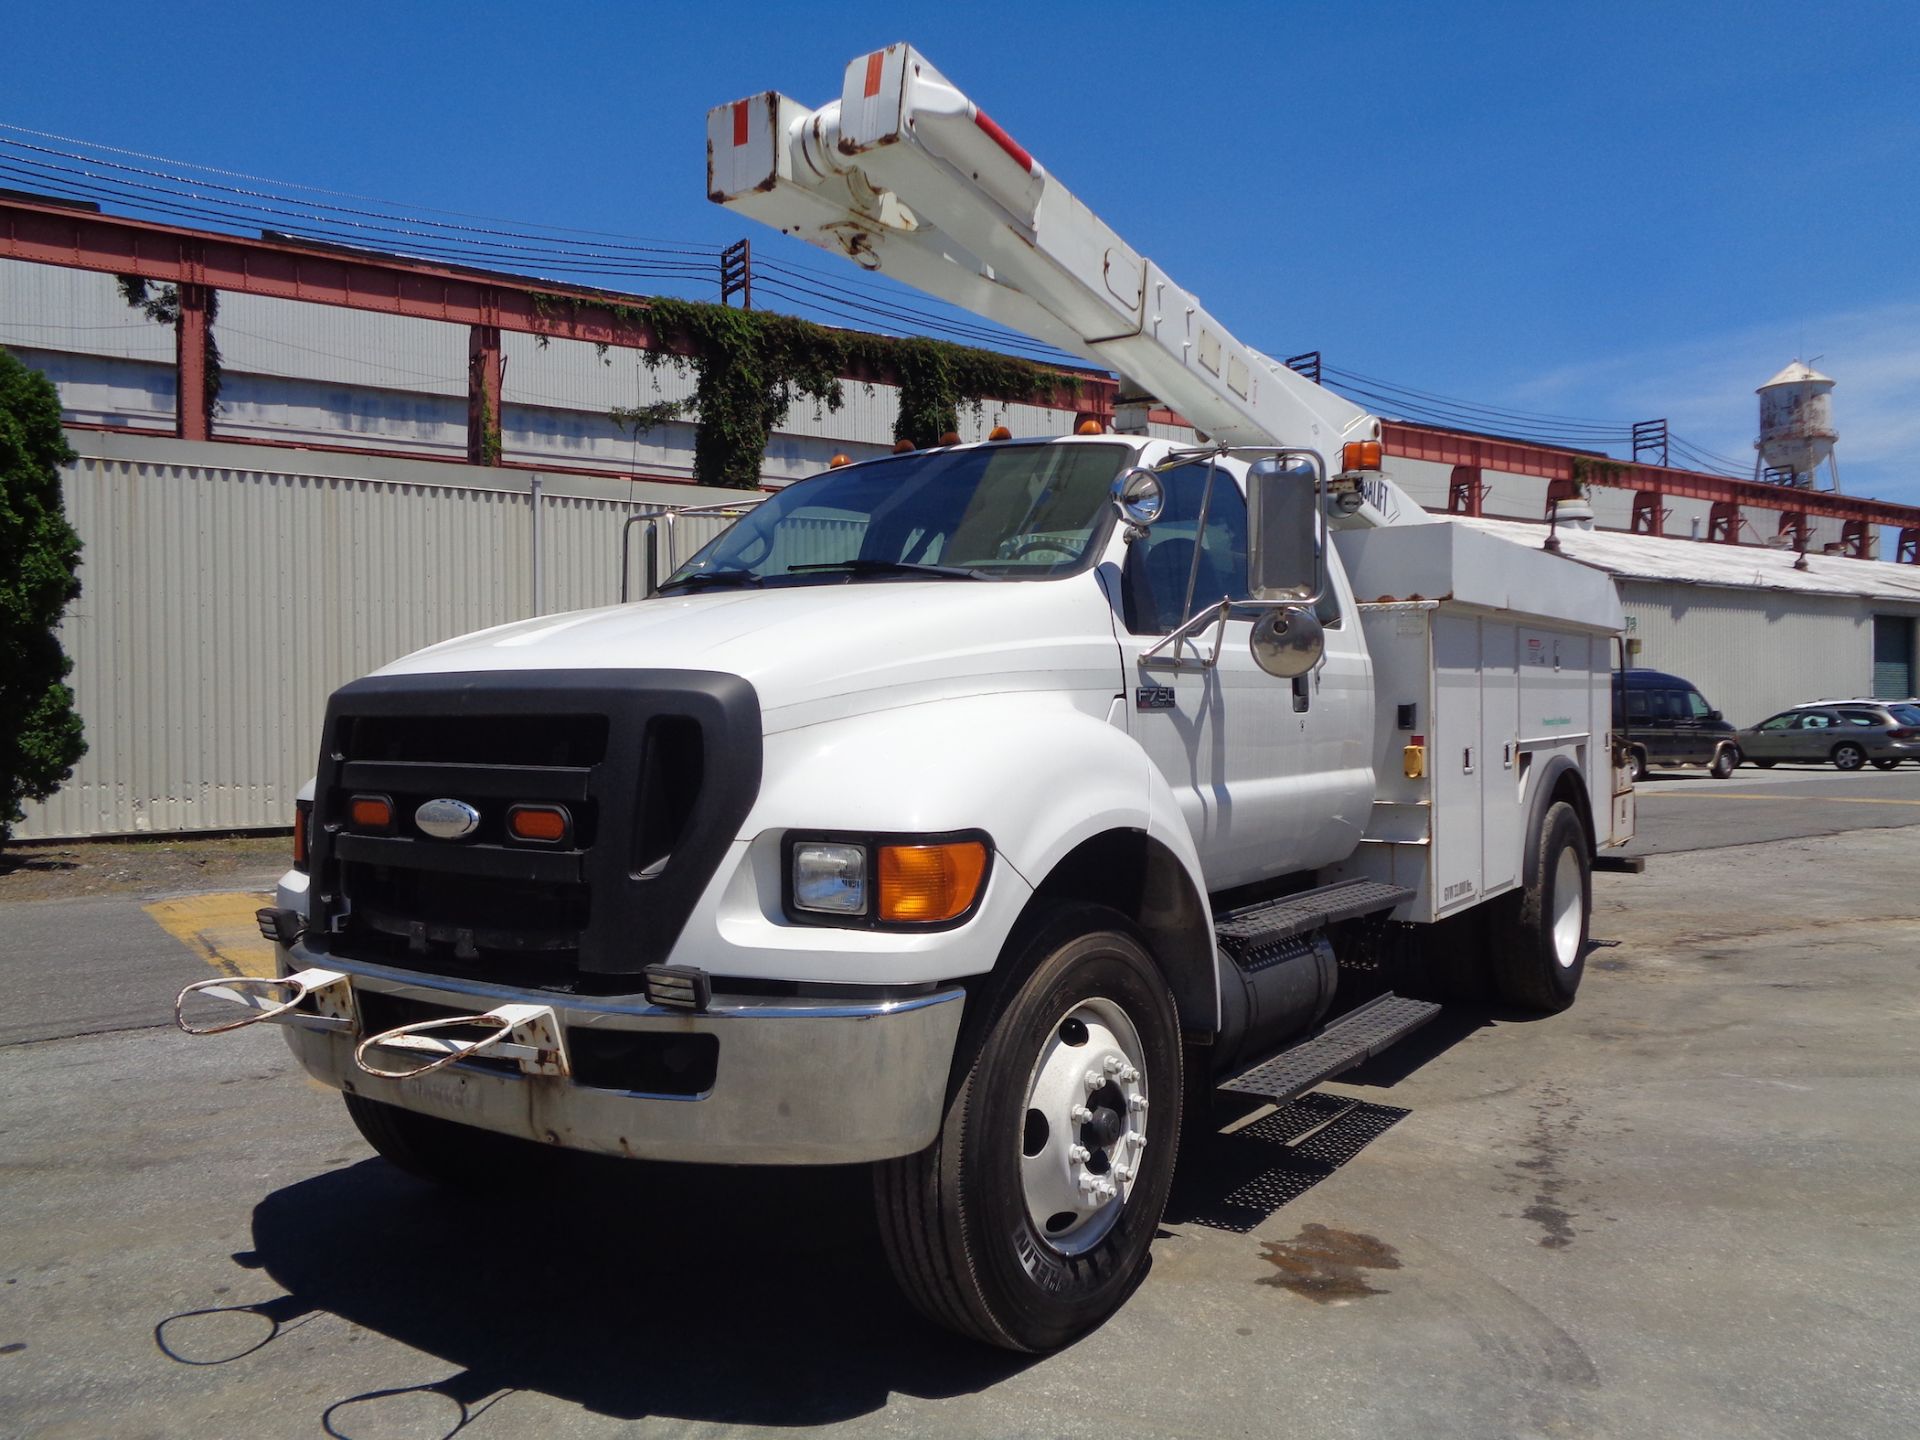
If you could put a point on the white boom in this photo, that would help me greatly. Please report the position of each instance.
(904, 174)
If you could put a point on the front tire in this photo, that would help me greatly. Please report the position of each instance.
(1540, 941)
(439, 1151)
(1027, 1222)
(1848, 755)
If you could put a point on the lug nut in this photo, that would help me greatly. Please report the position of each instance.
(1123, 1174)
(1081, 1115)
(1095, 1079)
(1136, 1103)
(1079, 1153)
(1129, 1075)
(1115, 1064)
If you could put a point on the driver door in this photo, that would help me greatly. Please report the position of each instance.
(1272, 776)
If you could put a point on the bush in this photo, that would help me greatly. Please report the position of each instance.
(40, 735)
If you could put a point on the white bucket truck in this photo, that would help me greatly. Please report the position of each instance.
(967, 811)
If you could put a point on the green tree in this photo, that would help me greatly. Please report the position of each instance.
(40, 735)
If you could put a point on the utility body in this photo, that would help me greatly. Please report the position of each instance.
(972, 812)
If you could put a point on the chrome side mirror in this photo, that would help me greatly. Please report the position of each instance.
(1284, 560)
(1288, 641)
(1139, 497)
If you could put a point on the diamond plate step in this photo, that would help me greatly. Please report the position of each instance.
(1342, 1045)
(1253, 929)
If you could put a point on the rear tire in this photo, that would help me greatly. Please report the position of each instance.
(439, 1151)
(958, 1220)
(1763, 764)
(1848, 755)
(1639, 765)
(1886, 764)
(1540, 932)
(1725, 761)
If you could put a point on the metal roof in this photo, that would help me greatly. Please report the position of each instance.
(1732, 567)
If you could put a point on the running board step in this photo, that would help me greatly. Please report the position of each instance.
(1354, 1037)
(1247, 933)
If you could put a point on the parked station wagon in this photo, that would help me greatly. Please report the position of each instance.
(1847, 733)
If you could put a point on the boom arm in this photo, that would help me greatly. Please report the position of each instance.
(904, 174)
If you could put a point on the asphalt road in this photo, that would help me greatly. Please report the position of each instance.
(1687, 1206)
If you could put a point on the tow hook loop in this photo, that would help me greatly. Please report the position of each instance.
(528, 1034)
(260, 997)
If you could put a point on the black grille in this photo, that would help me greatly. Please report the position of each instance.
(655, 770)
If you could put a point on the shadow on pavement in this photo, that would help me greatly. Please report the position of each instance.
(744, 1297)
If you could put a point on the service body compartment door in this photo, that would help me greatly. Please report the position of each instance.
(1457, 759)
(1500, 820)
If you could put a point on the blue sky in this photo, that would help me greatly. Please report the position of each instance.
(1608, 211)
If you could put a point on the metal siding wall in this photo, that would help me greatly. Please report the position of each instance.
(1753, 653)
(224, 604)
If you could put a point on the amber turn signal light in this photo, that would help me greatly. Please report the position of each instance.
(926, 884)
(370, 812)
(543, 824)
(1360, 455)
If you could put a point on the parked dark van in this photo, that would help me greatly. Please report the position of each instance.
(1666, 721)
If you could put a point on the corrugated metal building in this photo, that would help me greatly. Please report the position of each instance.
(319, 374)
(229, 589)
(1754, 631)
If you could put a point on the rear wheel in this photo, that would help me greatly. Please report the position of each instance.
(1886, 764)
(1540, 934)
(1027, 1221)
(1725, 761)
(1763, 764)
(1639, 764)
(1848, 755)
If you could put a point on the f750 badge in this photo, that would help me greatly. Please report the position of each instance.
(1153, 697)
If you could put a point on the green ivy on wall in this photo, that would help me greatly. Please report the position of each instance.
(750, 366)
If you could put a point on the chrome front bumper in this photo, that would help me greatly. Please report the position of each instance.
(797, 1082)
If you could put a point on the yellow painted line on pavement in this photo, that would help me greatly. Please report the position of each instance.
(1763, 795)
(220, 929)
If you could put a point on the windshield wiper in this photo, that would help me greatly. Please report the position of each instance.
(713, 577)
(888, 567)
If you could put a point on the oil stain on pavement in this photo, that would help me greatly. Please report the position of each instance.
(1325, 1265)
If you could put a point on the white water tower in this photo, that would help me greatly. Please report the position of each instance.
(1796, 427)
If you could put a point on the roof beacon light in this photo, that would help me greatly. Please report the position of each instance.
(1090, 426)
(1000, 432)
(1360, 455)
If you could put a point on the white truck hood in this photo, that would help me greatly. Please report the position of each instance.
(820, 652)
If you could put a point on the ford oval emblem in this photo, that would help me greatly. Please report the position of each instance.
(447, 819)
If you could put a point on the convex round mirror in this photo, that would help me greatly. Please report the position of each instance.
(1139, 497)
(1288, 641)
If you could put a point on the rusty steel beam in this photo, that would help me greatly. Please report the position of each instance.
(483, 395)
(1548, 462)
(391, 285)
(191, 406)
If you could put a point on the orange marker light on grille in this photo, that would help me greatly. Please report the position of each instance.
(1360, 455)
(370, 812)
(302, 818)
(925, 884)
(547, 824)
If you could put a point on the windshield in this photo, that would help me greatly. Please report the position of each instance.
(992, 512)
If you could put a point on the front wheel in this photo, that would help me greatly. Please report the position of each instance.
(1848, 755)
(1725, 761)
(1540, 937)
(439, 1151)
(1027, 1221)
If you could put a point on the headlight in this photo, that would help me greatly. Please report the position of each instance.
(830, 879)
(886, 882)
